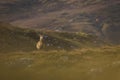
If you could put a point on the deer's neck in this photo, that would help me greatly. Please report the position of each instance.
(40, 40)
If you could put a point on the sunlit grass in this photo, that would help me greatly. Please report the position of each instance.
(87, 64)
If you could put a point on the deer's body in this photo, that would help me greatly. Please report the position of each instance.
(39, 43)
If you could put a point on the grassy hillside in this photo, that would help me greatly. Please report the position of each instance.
(18, 39)
(87, 16)
(101, 63)
(14, 39)
(77, 43)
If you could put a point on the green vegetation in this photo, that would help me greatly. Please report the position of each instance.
(69, 56)
(67, 52)
(14, 39)
(18, 39)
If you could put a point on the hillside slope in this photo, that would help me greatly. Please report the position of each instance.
(18, 39)
(111, 23)
(14, 39)
(20, 9)
(89, 16)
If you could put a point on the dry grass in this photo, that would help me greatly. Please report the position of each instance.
(87, 63)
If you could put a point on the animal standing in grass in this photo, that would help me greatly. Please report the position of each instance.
(40, 42)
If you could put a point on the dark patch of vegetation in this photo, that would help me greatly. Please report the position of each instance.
(18, 39)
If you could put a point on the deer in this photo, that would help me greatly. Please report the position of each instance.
(39, 43)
